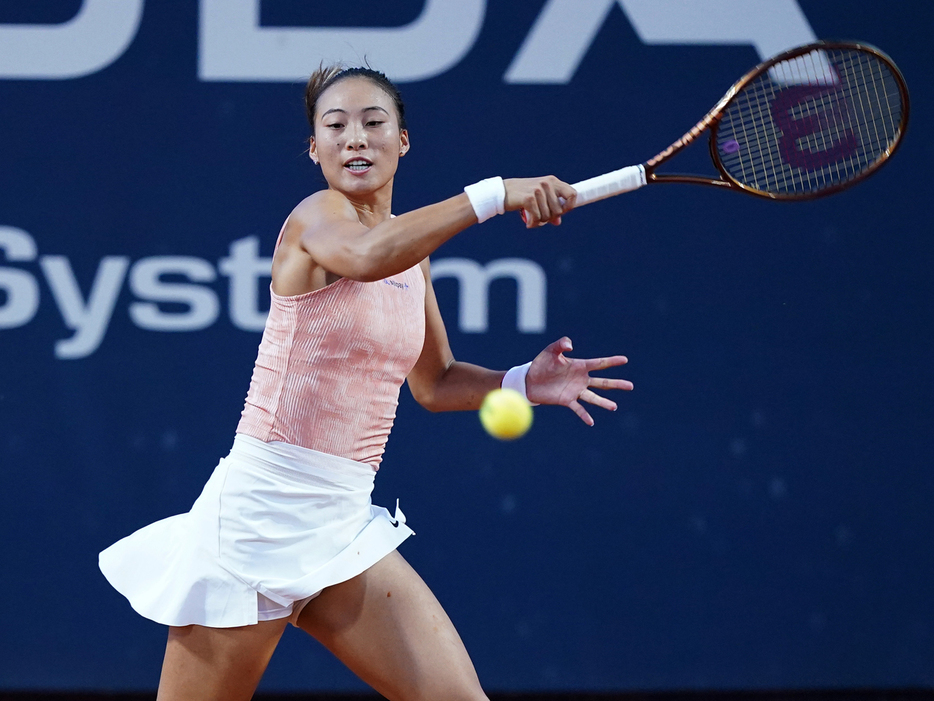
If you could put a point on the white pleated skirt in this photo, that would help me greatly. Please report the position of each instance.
(275, 522)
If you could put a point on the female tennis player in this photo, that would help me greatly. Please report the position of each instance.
(284, 530)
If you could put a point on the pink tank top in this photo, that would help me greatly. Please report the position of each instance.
(331, 363)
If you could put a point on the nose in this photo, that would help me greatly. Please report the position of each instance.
(356, 137)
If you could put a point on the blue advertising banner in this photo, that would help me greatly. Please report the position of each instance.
(755, 515)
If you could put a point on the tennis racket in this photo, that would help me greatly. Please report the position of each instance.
(806, 123)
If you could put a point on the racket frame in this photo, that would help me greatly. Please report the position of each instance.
(711, 122)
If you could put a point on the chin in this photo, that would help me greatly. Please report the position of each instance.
(362, 185)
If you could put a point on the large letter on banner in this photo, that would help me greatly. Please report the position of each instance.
(565, 30)
(90, 41)
(233, 45)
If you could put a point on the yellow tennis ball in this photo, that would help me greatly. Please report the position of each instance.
(505, 414)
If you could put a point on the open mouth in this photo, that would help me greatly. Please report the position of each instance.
(358, 165)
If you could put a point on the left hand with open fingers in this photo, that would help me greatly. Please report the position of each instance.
(553, 378)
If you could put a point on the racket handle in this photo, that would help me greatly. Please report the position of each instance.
(615, 183)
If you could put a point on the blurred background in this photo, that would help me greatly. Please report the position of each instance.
(755, 516)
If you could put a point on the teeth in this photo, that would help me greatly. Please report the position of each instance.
(358, 165)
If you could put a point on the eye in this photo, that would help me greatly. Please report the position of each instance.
(335, 125)
(374, 123)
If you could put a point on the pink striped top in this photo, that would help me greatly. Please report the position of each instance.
(331, 363)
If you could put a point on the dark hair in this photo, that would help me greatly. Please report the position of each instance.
(326, 76)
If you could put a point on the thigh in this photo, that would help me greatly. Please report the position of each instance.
(217, 663)
(390, 630)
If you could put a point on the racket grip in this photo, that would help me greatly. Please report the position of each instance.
(615, 183)
(606, 185)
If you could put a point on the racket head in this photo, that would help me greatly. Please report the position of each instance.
(811, 121)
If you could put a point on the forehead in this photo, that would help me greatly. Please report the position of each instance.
(354, 94)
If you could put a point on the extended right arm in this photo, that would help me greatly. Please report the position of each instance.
(331, 232)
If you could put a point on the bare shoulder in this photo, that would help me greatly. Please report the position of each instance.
(296, 269)
(323, 206)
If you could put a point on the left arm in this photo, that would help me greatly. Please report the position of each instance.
(440, 383)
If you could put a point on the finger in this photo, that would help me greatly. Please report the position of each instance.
(597, 400)
(608, 383)
(541, 197)
(554, 203)
(569, 195)
(581, 412)
(527, 220)
(533, 215)
(562, 345)
(604, 363)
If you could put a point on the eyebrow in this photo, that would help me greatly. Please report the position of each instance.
(365, 109)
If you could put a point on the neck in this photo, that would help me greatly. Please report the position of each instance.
(373, 207)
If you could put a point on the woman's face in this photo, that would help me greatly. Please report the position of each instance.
(357, 139)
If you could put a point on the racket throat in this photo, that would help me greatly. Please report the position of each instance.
(683, 178)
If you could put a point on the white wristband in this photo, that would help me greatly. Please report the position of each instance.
(515, 379)
(488, 197)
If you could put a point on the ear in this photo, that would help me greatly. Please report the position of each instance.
(404, 142)
(313, 150)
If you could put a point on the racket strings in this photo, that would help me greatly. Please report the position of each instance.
(811, 123)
